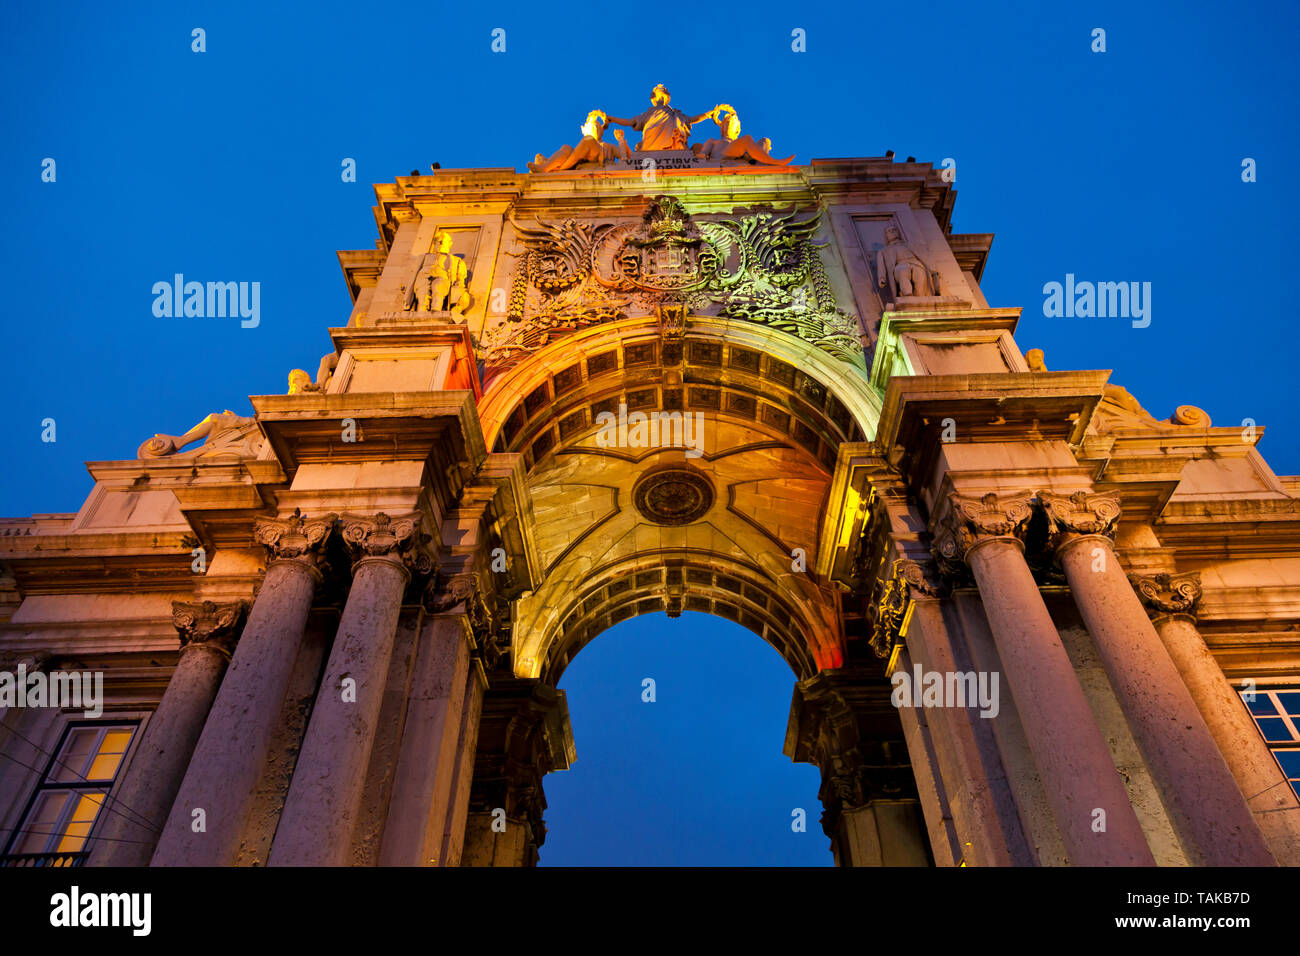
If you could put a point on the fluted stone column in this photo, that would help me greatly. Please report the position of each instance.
(1195, 784)
(228, 760)
(1172, 600)
(208, 632)
(1068, 747)
(328, 782)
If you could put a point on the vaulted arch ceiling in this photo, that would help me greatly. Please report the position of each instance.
(728, 524)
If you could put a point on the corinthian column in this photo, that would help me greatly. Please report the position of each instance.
(208, 632)
(1071, 755)
(329, 780)
(1172, 600)
(1195, 784)
(208, 816)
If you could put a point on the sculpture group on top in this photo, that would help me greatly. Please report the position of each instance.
(663, 128)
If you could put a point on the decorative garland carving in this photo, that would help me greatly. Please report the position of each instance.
(907, 580)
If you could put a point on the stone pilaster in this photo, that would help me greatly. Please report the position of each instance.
(1068, 747)
(1172, 601)
(523, 734)
(324, 798)
(208, 633)
(1197, 788)
(419, 813)
(843, 722)
(981, 802)
(211, 807)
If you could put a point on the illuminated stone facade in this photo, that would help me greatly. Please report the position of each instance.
(662, 380)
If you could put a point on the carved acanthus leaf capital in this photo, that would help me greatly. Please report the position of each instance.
(969, 520)
(294, 537)
(1081, 513)
(209, 623)
(400, 537)
(1169, 593)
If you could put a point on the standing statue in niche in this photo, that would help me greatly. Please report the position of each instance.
(734, 146)
(901, 270)
(662, 126)
(590, 149)
(440, 285)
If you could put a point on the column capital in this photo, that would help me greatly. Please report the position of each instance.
(209, 625)
(401, 539)
(1169, 593)
(462, 594)
(908, 581)
(966, 522)
(1080, 513)
(294, 538)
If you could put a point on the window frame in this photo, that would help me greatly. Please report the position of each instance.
(55, 760)
(1290, 721)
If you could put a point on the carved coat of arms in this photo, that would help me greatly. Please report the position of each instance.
(762, 267)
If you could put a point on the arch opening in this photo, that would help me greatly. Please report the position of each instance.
(696, 774)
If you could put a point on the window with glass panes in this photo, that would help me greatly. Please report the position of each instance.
(1277, 713)
(71, 794)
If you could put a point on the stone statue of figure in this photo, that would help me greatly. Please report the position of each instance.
(899, 268)
(661, 126)
(590, 149)
(440, 285)
(1114, 399)
(300, 380)
(732, 145)
(211, 428)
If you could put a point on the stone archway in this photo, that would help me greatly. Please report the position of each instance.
(724, 514)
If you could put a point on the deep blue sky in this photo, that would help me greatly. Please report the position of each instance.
(225, 166)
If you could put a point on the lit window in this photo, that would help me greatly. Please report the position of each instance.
(1277, 713)
(72, 791)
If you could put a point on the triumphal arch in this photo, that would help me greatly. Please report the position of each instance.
(664, 370)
